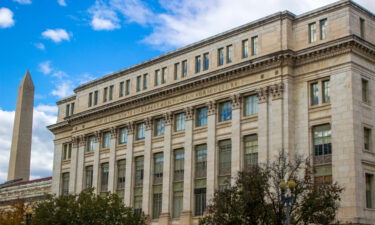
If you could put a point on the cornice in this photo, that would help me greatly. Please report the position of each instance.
(267, 62)
(67, 99)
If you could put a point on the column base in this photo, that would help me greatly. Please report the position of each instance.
(185, 218)
(164, 219)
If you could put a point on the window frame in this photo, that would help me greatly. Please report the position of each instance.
(312, 32)
(206, 61)
(198, 118)
(228, 108)
(220, 56)
(254, 45)
(230, 53)
(323, 29)
(251, 107)
(198, 62)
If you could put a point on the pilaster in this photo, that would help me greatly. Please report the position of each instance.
(211, 151)
(112, 160)
(129, 166)
(236, 136)
(80, 164)
(276, 121)
(147, 182)
(263, 130)
(95, 180)
(56, 174)
(73, 165)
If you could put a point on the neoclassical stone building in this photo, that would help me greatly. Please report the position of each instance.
(165, 133)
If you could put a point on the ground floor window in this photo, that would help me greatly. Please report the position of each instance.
(200, 201)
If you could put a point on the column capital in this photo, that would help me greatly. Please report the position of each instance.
(276, 91)
(148, 123)
(262, 94)
(211, 105)
(189, 113)
(98, 135)
(236, 101)
(75, 141)
(130, 127)
(82, 140)
(114, 131)
(168, 118)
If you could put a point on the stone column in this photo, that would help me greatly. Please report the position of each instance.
(147, 179)
(112, 161)
(73, 166)
(276, 121)
(165, 209)
(188, 169)
(96, 173)
(263, 142)
(81, 163)
(129, 166)
(56, 174)
(211, 151)
(236, 137)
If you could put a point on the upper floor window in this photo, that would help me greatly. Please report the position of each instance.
(90, 143)
(164, 75)
(127, 87)
(177, 71)
(96, 97)
(178, 165)
(220, 56)
(159, 126)
(139, 162)
(225, 111)
(322, 140)
(251, 150)
(202, 116)
(325, 92)
(251, 105)
(111, 90)
(179, 122)
(157, 77)
(184, 68)
(104, 175)
(145, 81)
(158, 168)
(90, 100)
(323, 29)
(229, 53)
(105, 94)
(365, 91)
(312, 32)
(362, 27)
(314, 93)
(245, 48)
(254, 45)
(106, 139)
(201, 161)
(198, 64)
(139, 83)
(123, 135)
(141, 128)
(206, 61)
(225, 148)
(367, 138)
(121, 170)
(69, 109)
(67, 151)
(121, 89)
(89, 175)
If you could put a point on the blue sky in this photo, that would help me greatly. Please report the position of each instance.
(68, 42)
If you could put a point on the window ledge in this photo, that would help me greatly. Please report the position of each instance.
(201, 128)
(89, 153)
(139, 142)
(178, 133)
(158, 138)
(251, 117)
(370, 209)
(322, 106)
(368, 152)
(366, 105)
(224, 123)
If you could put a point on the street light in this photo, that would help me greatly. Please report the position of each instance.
(29, 214)
(287, 197)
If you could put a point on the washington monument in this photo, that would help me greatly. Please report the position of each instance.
(19, 163)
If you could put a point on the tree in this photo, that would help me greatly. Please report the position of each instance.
(260, 197)
(85, 209)
(15, 214)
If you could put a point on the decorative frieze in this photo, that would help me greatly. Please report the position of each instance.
(236, 101)
(189, 113)
(211, 106)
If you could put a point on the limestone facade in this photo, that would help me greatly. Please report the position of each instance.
(304, 86)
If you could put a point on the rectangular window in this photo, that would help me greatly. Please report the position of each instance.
(67, 109)
(156, 201)
(123, 135)
(71, 108)
(121, 89)
(201, 161)
(362, 27)
(325, 94)
(312, 32)
(157, 77)
(104, 175)
(106, 139)
(220, 56)
(367, 138)
(111, 90)
(159, 127)
(229, 53)
(145, 81)
(138, 171)
(369, 191)
(200, 179)
(179, 122)
(254, 45)
(105, 94)
(322, 140)
(202, 116)
(198, 64)
(178, 184)
(224, 164)
(225, 111)
(323, 29)
(178, 193)
(90, 143)
(245, 48)
(184, 68)
(251, 105)
(89, 173)
(96, 97)
(365, 91)
(164, 75)
(314, 93)
(200, 201)
(178, 165)
(176, 71)
(67, 151)
(141, 128)
(127, 87)
(121, 171)
(158, 168)
(90, 99)
(138, 200)
(206, 61)
(139, 83)
(65, 184)
(250, 151)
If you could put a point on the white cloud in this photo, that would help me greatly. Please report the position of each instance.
(45, 67)
(134, 10)
(6, 18)
(103, 17)
(63, 88)
(42, 141)
(56, 35)
(40, 46)
(25, 2)
(61, 2)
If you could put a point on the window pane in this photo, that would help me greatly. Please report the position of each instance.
(365, 93)
(201, 161)
(139, 82)
(123, 135)
(326, 96)
(157, 77)
(225, 111)
(254, 45)
(251, 105)
(90, 143)
(322, 144)
(138, 171)
(106, 139)
(229, 53)
(251, 151)
(184, 68)
(127, 87)
(89, 176)
(164, 75)
(159, 126)
(206, 61)
(367, 138)
(202, 116)
(245, 48)
(158, 168)
(145, 81)
(178, 171)
(121, 171)
(180, 121)
(312, 32)
(369, 191)
(197, 64)
(65, 184)
(200, 201)
(176, 71)
(141, 131)
(314, 94)
(220, 53)
(323, 29)
(104, 177)
(121, 89)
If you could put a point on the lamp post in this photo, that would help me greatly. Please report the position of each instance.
(29, 214)
(287, 197)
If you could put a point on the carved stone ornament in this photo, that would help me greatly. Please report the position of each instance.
(82, 140)
(236, 101)
(168, 118)
(114, 132)
(189, 113)
(97, 135)
(148, 123)
(276, 91)
(262, 94)
(75, 141)
(211, 105)
(130, 128)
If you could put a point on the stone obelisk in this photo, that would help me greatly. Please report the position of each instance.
(19, 162)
